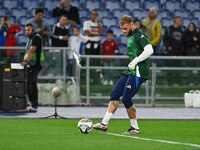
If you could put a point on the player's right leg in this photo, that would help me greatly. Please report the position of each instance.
(113, 104)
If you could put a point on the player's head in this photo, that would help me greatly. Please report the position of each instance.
(76, 31)
(191, 27)
(127, 25)
(93, 15)
(109, 35)
(39, 12)
(153, 13)
(137, 23)
(29, 30)
(63, 20)
(178, 21)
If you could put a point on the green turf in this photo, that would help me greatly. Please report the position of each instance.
(52, 134)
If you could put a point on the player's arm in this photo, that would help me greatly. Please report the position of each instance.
(88, 33)
(148, 51)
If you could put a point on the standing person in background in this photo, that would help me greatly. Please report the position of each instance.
(173, 38)
(40, 25)
(192, 40)
(139, 25)
(153, 27)
(75, 43)
(33, 57)
(93, 30)
(7, 38)
(60, 36)
(65, 8)
(109, 48)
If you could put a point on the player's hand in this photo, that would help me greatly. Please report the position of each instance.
(65, 37)
(131, 66)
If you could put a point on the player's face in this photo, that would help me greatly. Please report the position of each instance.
(109, 36)
(75, 31)
(93, 15)
(137, 24)
(28, 31)
(63, 20)
(126, 29)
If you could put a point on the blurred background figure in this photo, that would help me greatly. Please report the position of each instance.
(153, 27)
(40, 25)
(110, 47)
(139, 25)
(75, 44)
(60, 36)
(65, 8)
(7, 38)
(192, 40)
(173, 38)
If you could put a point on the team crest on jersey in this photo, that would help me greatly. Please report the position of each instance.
(128, 86)
(142, 36)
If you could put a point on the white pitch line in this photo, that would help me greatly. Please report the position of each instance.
(154, 140)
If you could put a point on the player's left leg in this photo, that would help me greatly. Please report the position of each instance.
(131, 88)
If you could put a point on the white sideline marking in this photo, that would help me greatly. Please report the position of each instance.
(154, 140)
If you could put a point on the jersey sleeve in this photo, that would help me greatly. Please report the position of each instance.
(86, 26)
(36, 41)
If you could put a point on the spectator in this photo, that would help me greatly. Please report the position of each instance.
(109, 48)
(65, 8)
(192, 40)
(7, 38)
(60, 36)
(93, 30)
(40, 25)
(153, 27)
(75, 44)
(139, 25)
(173, 38)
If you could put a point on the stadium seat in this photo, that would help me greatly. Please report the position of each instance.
(50, 20)
(164, 13)
(120, 13)
(123, 49)
(9, 4)
(116, 30)
(149, 4)
(18, 12)
(196, 14)
(182, 13)
(103, 38)
(123, 39)
(190, 5)
(167, 22)
(112, 5)
(140, 14)
(109, 21)
(29, 4)
(92, 4)
(84, 13)
(21, 40)
(3, 12)
(23, 19)
(131, 5)
(76, 3)
(50, 4)
(186, 21)
(172, 5)
(83, 19)
(103, 13)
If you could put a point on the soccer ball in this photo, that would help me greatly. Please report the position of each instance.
(85, 125)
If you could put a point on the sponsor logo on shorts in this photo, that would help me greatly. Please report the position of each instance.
(128, 86)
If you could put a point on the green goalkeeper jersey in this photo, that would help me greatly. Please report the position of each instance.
(136, 43)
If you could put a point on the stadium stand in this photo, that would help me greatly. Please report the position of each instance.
(110, 11)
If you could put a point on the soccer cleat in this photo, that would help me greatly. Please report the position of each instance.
(133, 131)
(101, 127)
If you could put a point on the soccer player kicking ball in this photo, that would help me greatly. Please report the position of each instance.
(139, 51)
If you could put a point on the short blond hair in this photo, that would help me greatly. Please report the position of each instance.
(125, 19)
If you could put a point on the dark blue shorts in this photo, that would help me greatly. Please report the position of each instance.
(127, 86)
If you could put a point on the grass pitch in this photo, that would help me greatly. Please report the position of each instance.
(62, 134)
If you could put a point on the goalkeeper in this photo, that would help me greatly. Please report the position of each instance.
(139, 51)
